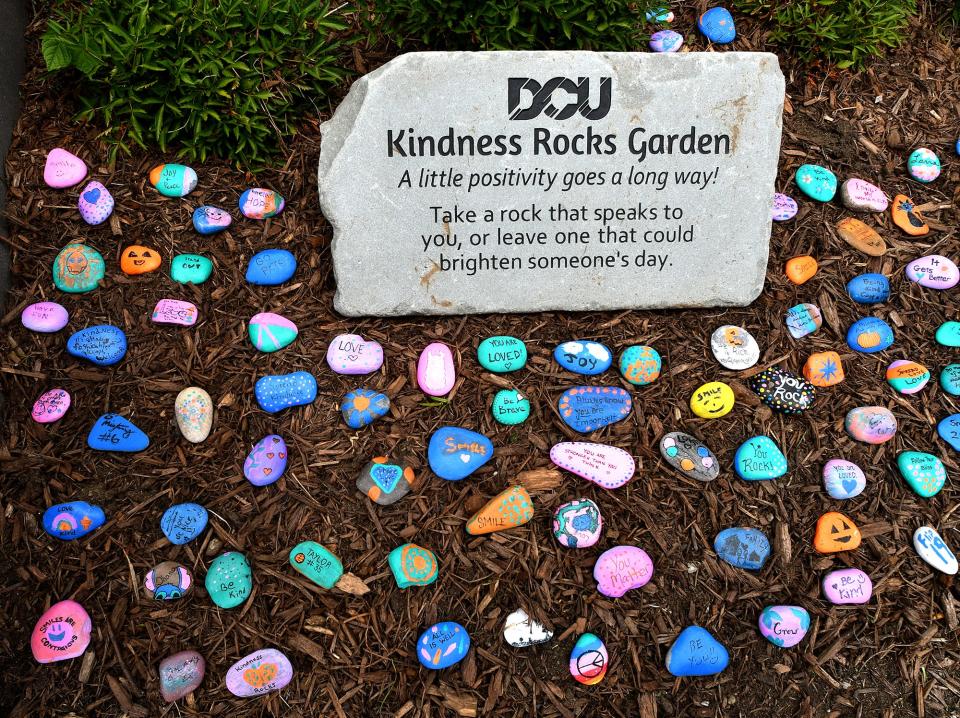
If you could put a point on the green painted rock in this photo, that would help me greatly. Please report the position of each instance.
(502, 354)
(949, 334)
(77, 269)
(229, 580)
(316, 563)
(510, 407)
(190, 269)
(413, 565)
(924, 473)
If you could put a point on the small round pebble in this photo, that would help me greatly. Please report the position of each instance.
(924, 165)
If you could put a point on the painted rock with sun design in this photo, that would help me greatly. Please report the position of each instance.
(413, 565)
(77, 269)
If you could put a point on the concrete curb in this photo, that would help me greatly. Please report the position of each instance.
(13, 24)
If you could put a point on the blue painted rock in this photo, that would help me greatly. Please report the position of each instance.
(352, 354)
(760, 458)
(950, 379)
(270, 267)
(948, 334)
(45, 317)
(103, 344)
(577, 524)
(743, 548)
(640, 365)
(259, 672)
(848, 585)
(77, 269)
(949, 430)
(869, 288)
(362, 407)
(816, 182)
(455, 453)
(923, 165)
(589, 660)
(271, 332)
(257, 203)
(168, 581)
(803, 319)
(61, 633)
(907, 377)
(442, 645)
(860, 195)
(588, 408)
(95, 203)
(316, 563)
(783, 391)
(606, 466)
(934, 550)
(924, 473)
(413, 565)
(173, 180)
(689, 456)
(210, 220)
(717, 25)
(666, 41)
(112, 432)
(229, 580)
(934, 271)
(385, 483)
(510, 407)
(784, 207)
(190, 268)
(267, 461)
(843, 479)
(583, 357)
(869, 335)
(784, 626)
(73, 520)
(871, 424)
(696, 653)
(63, 169)
(276, 392)
(182, 523)
(181, 674)
(501, 354)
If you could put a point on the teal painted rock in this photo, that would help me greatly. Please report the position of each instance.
(316, 563)
(77, 269)
(510, 407)
(640, 365)
(502, 354)
(759, 458)
(924, 473)
(271, 332)
(950, 379)
(229, 580)
(190, 269)
(413, 565)
(173, 180)
(949, 334)
(816, 182)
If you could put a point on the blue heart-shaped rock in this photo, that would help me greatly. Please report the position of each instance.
(386, 476)
(92, 196)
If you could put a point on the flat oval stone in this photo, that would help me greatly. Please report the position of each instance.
(948, 334)
(743, 548)
(508, 509)
(193, 408)
(502, 354)
(666, 41)
(934, 550)
(210, 220)
(413, 565)
(949, 429)
(50, 406)
(267, 461)
(717, 25)
(823, 369)
(621, 569)
(137, 259)
(510, 407)
(95, 203)
(640, 365)
(907, 377)
(907, 218)
(352, 354)
(861, 196)
(871, 424)
(454, 453)
(276, 392)
(583, 357)
(783, 390)
(784, 207)
(869, 288)
(950, 379)
(606, 466)
(712, 400)
(182, 523)
(521, 631)
(803, 319)
(923, 165)
(316, 563)
(63, 169)
(923, 472)
(835, 533)
(72, 520)
(175, 311)
(103, 344)
(436, 373)
(45, 317)
(588, 660)
(260, 672)
(734, 347)
(181, 674)
(846, 586)
(861, 237)
(258, 203)
(870, 335)
(229, 580)
(271, 267)
(271, 332)
(689, 456)
(361, 407)
(588, 408)
(816, 182)
(168, 580)
(173, 180)
(696, 653)
(62, 632)
(190, 268)
(784, 626)
(112, 432)
(843, 479)
(801, 269)
(577, 523)
(77, 269)
(442, 645)
(934, 271)
(759, 458)
(385, 483)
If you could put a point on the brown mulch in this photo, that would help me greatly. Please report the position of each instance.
(354, 656)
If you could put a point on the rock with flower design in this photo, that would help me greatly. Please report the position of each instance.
(63, 169)
(385, 482)
(689, 456)
(258, 203)
(194, 411)
(588, 408)
(62, 632)
(95, 203)
(267, 461)
(907, 218)
(362, 407)
(783, 390)
(934, 271)
(871, 424)
(784, 626)
(924, 165)
(72, 520)
(413, 565)
(803, 319)
(260, 672)
(173, 180)
(823, 369)
(78, 268)
(923, 472)
(784, 207)
(506, 510)
(816, 182)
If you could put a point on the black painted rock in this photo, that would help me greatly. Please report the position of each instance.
(783, 390)
(688, 455)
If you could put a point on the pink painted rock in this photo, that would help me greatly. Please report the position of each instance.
(181, 674)
(174, 311)
(352, 354)
(606, 466)
(784, 626)
(621, 569)
(435, 371)
(784, 207)
(95, 203)
(859, 195)
(51, 406)
(934, 271)
(63, 632)
(260, 672)
(848, 585)
(63, 169)
(871, 424)
(45, 317)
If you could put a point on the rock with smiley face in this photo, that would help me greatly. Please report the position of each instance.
(210, 220)
(136, 259)
(835, 532)
(77, 269)
(712, 400)
(63, 169)
(783, 390)
(61, 633)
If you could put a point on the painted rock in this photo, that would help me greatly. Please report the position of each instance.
(934, 271)
(843, 479)
(666, 41)
(63, 169)
(925, 473)
(271, 267)
(848, 585)
(173, 180)
(583, 357)
(743, 548)
(103, 344)
(436, 373)
(260, 672)
(784, 626)
(934, 550)
(385, 483)
(229, 580)
(257, 203)
(588, 408)
(95, 203)
(316, 563)
(61, 633)
(823, 369)
(784, 207)
(606, 466)
(506, 510)
(948, 334)
(210, 220)
(588, 660)
(871, 424)
(50, 406)
(276, 392)
(181, 674)
(696, 653)
(362, 407)
(950, 379)
(621, 569)
(689, 456)
(73, 520)
(734, 347)
(783, 390)
(442, 645)
(640, 365)
(190, 268)
(949, 430)
(759, 458)
(861, 237)
(193, 408)
(662, 14)
(869, 288)
(510, 407)
(455, 453)
(803, 319)
(907, 377)
(816, 182)
(45, 317)
(352, 354)
(861, 196)
(923, 165)
(712, 400)
(717, 25)
(521, 631)
(869, 335)
(801, 269)
(501, 354)
(413, 565)
(182, 523)
(271, 332)
(835, 532)
(174, 311)
(77, 269)
(168, 581)
(267, 461)
(577, 524)
(907, 218)
(139, 260)
(112, 432)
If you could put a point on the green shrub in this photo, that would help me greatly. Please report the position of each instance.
(225, 78)
(846, 33)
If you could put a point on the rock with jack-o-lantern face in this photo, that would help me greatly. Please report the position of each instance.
(136, 259)
(835, 533)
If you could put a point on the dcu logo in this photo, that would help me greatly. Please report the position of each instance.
(539, 98)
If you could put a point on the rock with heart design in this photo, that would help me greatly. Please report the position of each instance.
(759, 458)
(521, 631)
(112, 432)
(168, 581)
(696, 653)
(175, 311)
(436, 373)
(688, 455)
(102, 344)
(72, 520)
(717, 25)
(193, 408)
(267, 461)
(173, 180)
(950, 379)
(734, 347)
(589, 660)
(607, 466)
(934, 271)
(508, 509)
(190, 268)
(784, 626)
(846, 586)
(276, 392)
(442, 645)
(869, 288)
(137, 259)
(577, 524)
(271, 332)
(666, 41)
(45, 317)
(948, 334)
(352, 354)
(712, 400)
(361, 407)
(229, 580)
(835, 532)
(861, 196)
(210, 220)
(783, 390)
(640, 365)
(95, 203)
(588, 408)
(510, 407)
(949, 430)
(413, 565)
(803, 319)
(800, 270)
(78, 268)
(271, 267)
(871, 424)
(63, 169)
(823, 369)
(583, 357)
(784, 207)
(843, 479)
(259, 203)
(816, 182)
(934, 550)
(923, 472)
(861, 237)
(923, 165)
(621, 569)
(260, 672)
(907, 377)
(62, 632)
(50, 406)
(907, 218)
(743, 548)
(182, 523)
(502, 354)
(454, 453)
(181, 674)
(316, 563)
(384, 482)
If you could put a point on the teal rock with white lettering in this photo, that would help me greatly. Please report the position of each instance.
(77, 269)
(759, 458)
(502, 354)
(190, 269)
(949, 334)
(316, 563)
(816, 182)
(950, 379)
(229, 580)
(924, 473)
(510, 407)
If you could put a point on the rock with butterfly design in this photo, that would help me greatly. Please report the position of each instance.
(95, 203)
(267, 461)
(384, 482)
(61, 633)
(168, 581)
(260, 672)
(442, 645)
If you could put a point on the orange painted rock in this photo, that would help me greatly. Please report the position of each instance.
(823, 369)
(861, 237)
(513, 507)
(139, 260)
(800, 269)
(906, 217)
(835, 533)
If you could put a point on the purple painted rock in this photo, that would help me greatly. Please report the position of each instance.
(352, 354)
(61, 633)
(871, 424)
(934, 271)
(862, 196)
(848, 585)
(174, 311)
(45, 317)
(606, 466)
(258, 673)
(621, 569)
(51, 406)
(63, 169)
(436, 373)
(267, 462)
(666, 41)
(784, 207)
(95, 203)
(181, 674)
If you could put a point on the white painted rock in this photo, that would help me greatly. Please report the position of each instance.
(194, 410)
(521, 631)
(734, 347)
(934, 550)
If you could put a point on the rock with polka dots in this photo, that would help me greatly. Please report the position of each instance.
(689, 456)
(783, 390)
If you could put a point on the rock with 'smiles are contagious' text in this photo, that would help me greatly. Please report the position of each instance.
(316, 563)
(717, 25)
(78, 268)
(934, 550)
(352, 354)
(72, 520)
(689, 456)
(823, 369)
(182, 523)
(588, 408)
(843, 479)
(577, 524)
(743, 548)
(193, 408)
(436, 373)
(45, 317)
(62, 632)
(190, 268)
(271, 332)
(869, 288)
(846, 586)
(783, 390)
(454, 453)
(175, 311)
(508, 509)
(276, 392)
(502, 354)
(260, 672)
(258, 203)
(112, 432)
(871, 424)
(50, 406)
(784, 626)
(210, 220)
(267, 461)
(816, 182)
(923, 472)
(621, 569)
(442, 645)
(384, 482)
(63, 169)
(270, 267)
(870, 335)
(934, 271)
(181, 674)
(861, 196)
(759, 458)
(413, 565)
(95, 203)
(521, 631)
(168, 581)
(229, 579)
(510, 407)
(361, 407)
(173, 180)
(696, 653)
(588, 660)
(835, 533)
(583, 357)
(606, 466)
(103, 344)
